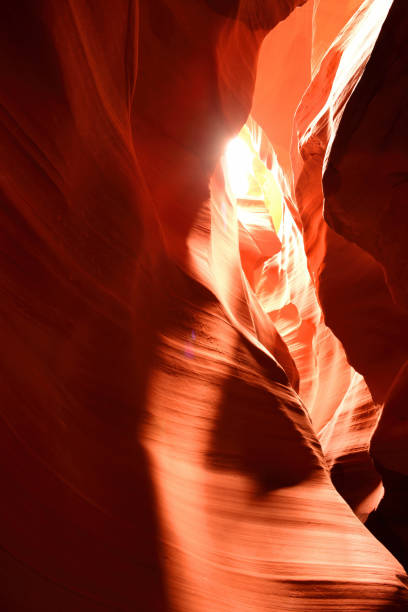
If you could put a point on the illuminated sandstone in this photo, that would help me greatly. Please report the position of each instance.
(173, 403)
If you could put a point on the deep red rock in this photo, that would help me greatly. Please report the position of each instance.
(156, 453)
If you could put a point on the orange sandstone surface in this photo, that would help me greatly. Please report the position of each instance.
(203, 306)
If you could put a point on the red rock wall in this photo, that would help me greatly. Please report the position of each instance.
(365, 189)
(156, 452)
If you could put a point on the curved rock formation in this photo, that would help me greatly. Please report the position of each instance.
(166, 442)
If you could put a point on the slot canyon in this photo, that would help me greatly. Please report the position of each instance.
(204, 305)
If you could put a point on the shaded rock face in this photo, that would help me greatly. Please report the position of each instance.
(365, 182)
(175, 390)
(365, 201)
(388, 448)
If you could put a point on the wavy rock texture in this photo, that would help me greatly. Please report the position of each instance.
(344, 289)
(173, 403)
(365, 186)
(367, 206)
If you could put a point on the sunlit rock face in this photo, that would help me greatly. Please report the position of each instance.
(355, 297)
(181, 427)
(275, 265)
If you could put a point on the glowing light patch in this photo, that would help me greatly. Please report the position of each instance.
(250, 180)
(239, 166)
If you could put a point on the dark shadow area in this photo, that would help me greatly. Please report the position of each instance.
(388, 523)
(256, 433)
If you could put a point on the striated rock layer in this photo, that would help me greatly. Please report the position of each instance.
(173, 404)
(365, 186)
